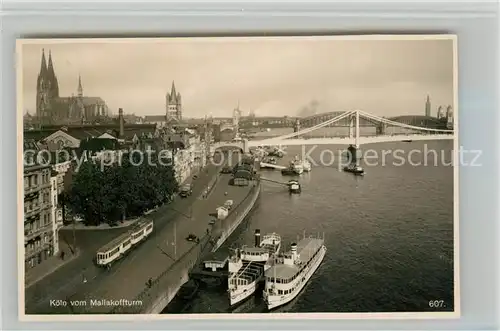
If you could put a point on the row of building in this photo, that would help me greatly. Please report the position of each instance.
(50, 157)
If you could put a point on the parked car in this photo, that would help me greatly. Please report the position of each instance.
(226, 170)
(191, 237)
(195, 177)
(212, 222)
(186, 190)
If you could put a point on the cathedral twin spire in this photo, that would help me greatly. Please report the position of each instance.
(47, 79)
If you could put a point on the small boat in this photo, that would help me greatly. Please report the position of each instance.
(248, 264)
(294, 168)
(407, 141)
(306, 165)
(294, 186)
(355, 169)
(290, 272)
(288, 172)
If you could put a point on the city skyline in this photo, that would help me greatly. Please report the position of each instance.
(287, 76)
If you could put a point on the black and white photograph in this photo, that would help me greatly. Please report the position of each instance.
(308, 176)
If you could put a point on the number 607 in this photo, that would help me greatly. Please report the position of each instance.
(436, 303)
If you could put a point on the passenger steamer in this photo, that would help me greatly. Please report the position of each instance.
(247, 266)
(118, 247)
(291, 271)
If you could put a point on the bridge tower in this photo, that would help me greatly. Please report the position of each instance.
(296, 126)
(352, 120)
(353, 150)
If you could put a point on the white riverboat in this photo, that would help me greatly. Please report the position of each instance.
(248, 264)
(290, 272)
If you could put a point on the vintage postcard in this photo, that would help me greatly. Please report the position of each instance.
(306, 177)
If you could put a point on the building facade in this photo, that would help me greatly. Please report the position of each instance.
(56, 211)
(38, 221)
(54, 109)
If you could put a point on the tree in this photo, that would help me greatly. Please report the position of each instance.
(120, 191)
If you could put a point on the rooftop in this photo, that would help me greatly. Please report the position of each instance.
(217, 257)
(114, 243)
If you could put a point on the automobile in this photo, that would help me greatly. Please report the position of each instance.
(195, 177)
(191, 237)
(227, 170)
(186, 191)
(212, 222)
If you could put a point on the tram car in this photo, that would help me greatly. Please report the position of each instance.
(121, 245)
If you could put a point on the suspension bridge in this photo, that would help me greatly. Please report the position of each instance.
(386, 131)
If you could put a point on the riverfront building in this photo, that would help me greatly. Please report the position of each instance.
(38, 221)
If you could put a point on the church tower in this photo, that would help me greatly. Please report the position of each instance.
(173, 105)
(42, 90)
(428, 106)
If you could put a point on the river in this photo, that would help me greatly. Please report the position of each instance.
(389, 234)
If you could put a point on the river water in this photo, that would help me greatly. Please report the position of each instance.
(389, 234)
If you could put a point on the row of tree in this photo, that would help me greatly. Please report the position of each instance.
(119, 192)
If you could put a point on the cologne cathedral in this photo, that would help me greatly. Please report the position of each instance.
(54, 109)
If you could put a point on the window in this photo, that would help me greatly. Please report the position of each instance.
(26, 182)
(35, 180)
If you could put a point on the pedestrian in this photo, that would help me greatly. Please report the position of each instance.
(84, 279)
(62, 255)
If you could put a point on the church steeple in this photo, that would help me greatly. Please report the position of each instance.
(51, 75)
(80, 88)
(173, 93)
(42, 76)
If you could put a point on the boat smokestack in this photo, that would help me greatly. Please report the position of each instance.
(257, 238)
(293, 250)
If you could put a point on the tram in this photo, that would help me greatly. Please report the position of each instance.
(121, 245)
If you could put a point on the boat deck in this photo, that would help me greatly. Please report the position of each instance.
(250, 271)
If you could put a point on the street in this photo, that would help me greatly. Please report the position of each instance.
(128, 276)
(68, 280)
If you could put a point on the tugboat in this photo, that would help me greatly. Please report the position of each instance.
(292, 170)
(294, 186)
(355, 169)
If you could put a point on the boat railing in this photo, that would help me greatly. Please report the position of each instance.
(271, 237)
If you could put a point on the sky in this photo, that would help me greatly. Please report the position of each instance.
(270, 76)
